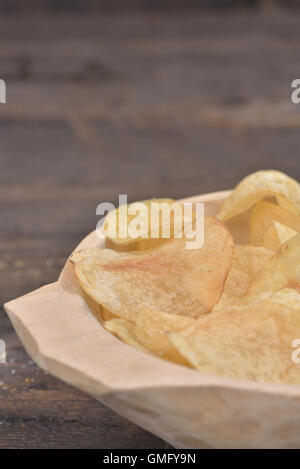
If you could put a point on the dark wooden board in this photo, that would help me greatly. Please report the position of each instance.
(86, 6)
(147, 105)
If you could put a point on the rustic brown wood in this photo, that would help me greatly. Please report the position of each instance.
(57, 6)
(148, 105)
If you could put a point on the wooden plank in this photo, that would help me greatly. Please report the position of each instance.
(38, 411)
(90, 6)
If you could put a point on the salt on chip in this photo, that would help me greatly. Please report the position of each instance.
(258, 186)
(249, 341)
(247, 262)
(169, 278)
(262, 216)
(276, 235)
(150, 328)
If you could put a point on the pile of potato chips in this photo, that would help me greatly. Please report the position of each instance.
(230, 308)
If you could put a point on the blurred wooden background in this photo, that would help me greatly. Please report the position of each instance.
(147, 103)
(58, 6)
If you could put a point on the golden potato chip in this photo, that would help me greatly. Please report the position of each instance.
(258, 186)
(276, 235)
(226, 310)
(124, 330)
(250, 341)
(94, 307)
(151, 327)
(139, 226)
(264, 213)
(239, 228)
(253, 338)
(287, 297)
(281, 271)
(107, 315)
(101, 313)
(170, 278)
(247, 262)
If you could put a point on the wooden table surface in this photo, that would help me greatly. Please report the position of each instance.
(147, 105)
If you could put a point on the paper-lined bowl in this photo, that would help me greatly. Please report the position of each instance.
(184, 407)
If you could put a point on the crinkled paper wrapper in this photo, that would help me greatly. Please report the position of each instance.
(186, 408)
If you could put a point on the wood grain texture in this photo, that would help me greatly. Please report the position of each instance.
(147, 105)
(79, 6)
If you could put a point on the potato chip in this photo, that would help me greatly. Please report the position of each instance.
(264, 213)
(287, 297)
(276, 235)
(239, 228)
(247, 262)
(169, 278)
(253, 338)
(107, 315)
(250, 341)
(225, 310)
(94, 307)
(281, 271)
(124, 330)
(101, 313)
(138, 226)
(258, 186)
(151, 327)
